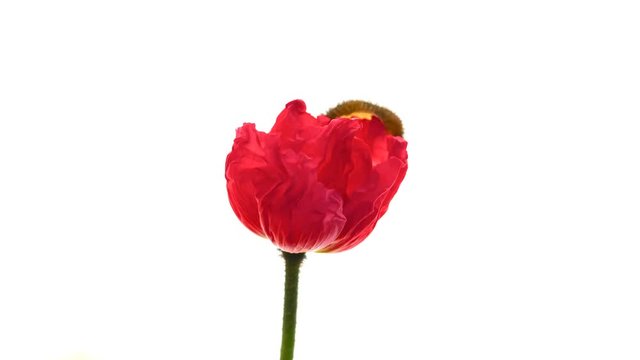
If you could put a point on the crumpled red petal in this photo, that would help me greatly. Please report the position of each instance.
(314, 183)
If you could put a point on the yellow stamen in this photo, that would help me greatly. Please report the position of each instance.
(361, 115)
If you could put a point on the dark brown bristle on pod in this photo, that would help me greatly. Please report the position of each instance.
(363, 109)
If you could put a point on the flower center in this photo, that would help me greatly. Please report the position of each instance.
(361, 115)
(366, 110)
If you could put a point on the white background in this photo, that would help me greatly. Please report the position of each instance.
(514, 236)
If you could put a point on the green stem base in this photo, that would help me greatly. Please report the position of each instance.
(292, 269)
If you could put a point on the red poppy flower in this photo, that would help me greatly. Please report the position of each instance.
(314, 183)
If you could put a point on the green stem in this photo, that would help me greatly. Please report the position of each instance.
(292, 269)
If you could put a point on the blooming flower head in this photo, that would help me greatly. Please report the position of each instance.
(316, 184)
